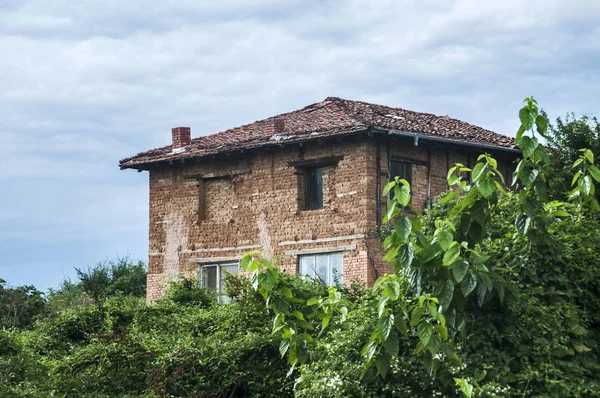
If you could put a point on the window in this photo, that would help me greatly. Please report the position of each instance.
(314, 188)
(400, 169)
(212, 276)
(324, 267)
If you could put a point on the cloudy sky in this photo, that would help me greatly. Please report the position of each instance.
(84, 84)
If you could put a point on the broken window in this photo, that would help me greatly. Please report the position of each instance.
(314, 188)
(327, 268)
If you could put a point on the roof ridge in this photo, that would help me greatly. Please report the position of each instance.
(331, 116)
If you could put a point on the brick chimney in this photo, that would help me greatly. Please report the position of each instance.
(182, 136)
(274, 126)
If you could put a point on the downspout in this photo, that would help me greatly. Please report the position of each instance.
(378, 181)
(429, 200)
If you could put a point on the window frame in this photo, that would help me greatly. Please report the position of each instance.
(218, 282)
(408, 170)
(308, 187)
(331, 278)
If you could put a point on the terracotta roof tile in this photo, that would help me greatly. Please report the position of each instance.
(333, 116)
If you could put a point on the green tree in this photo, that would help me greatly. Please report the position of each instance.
(565, 138)
(19, 306)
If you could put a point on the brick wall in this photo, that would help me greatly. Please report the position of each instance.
(259, 205)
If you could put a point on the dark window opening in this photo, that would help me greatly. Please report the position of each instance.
(401, 170)
(314, 188)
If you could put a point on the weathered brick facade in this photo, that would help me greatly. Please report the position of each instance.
(214, 209)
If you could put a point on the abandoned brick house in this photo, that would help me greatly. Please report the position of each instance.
(304, 187)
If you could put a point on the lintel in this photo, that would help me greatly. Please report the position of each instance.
(418, 162)
(215, 260)
(326, 161)
(222, 174)
(320, 250)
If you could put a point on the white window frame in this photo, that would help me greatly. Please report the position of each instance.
(331, 280)
(218, 266)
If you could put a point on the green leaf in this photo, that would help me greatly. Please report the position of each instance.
(406, 254)
(595, 173)
(481, 291)
(586, 185)
(542, 125)
(325, 322)
(385, 325)
(520, 132)
(298, 315)
(414, 278)
(522, 223)
(392, 211)
(468, 284)
(459, 270)
(446, 294)
(392, 344)
(526, 119)
(528, 175)
(381, 306)
(486, 186)
(286, 292)
(312, 301)
(283, 347)
(477, 170)
(369, 350)
(465, 387)
(442, 331)
(391, 255)
(383, 365)
(589, 155)
(389, 187)
(576, 177)
(402, 195)
(400, 324)
(424, 330)
(246, 260)
(528, 145)
(415, 316)
(451, 255)
(448, 197)
(402, 227)
(445, 238)
(392, 290)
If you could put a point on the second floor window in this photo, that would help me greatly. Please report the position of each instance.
(314, 188)
(401, 170)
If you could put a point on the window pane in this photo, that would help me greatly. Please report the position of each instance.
(337, 272)
(307, 266)
(209, 277)
(398, 169)
(323, 268)
(227, 269)
(314, 188)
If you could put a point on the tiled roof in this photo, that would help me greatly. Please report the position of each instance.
(333, 116)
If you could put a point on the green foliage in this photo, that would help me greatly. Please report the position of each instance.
(187, 291)
(566, 137)
(19, 306)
